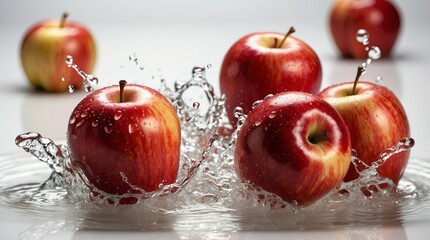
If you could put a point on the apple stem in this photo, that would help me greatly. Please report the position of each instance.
(318, 138)
(357, 77)
(122, 84)
(292, 30)
(63, 19)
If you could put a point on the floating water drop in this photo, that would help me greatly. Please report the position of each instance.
(89, 81)
(363, 36)
(69, 60)
(196, 105)
(379, 80)
(374, 53)
(198, 72)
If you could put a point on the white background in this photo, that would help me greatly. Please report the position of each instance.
(170, 37)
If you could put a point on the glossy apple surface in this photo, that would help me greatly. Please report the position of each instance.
(376, 121)
(44, 50)
(138, 138)
(258, 65)
(295, 145)
(380, 18)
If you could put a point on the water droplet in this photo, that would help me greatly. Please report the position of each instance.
(71, 88)
(95, 123)
(208, 66)
(379, 80)
(72, 120)
(362, 36)
(374, 53)
(196, 105)
(133, 57)
(141, 68)
(131, 129)
(198, 72)
(63, 79)
(118, 115)
(108, 128)
(69, 60)
(257, 123)
(80, 123)
(272, 114)
(88, 89)
(92, 79)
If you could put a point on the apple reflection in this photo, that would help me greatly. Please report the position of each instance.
(383, 72)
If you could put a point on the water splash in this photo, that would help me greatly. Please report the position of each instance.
(207, 174)
(135, 59)
(89, 81)
(362, 37)
(373, 52)
(199, 134)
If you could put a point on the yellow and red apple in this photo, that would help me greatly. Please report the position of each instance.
(45, 47)
(376, 121)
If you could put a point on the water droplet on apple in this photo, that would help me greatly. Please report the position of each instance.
(374, 53)
(108, 128)
(130, 128)
(257, 123)
(69, 60)
(118, 115)
(362, 36)
(72, 120)
(80, 123)
(95, 123)
(63, 79)
(84, 114)
(272, 114)
(71, 88)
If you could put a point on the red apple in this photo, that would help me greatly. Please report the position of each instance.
(376, 121)
(137, 135)
(44, 50)
(295, 145)
(380, 18)
(267, 63)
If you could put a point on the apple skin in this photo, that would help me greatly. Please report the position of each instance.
(44, 49)
(253, 68)
(274, 149)
(139, 137)
(376, 121)
(380, 18)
